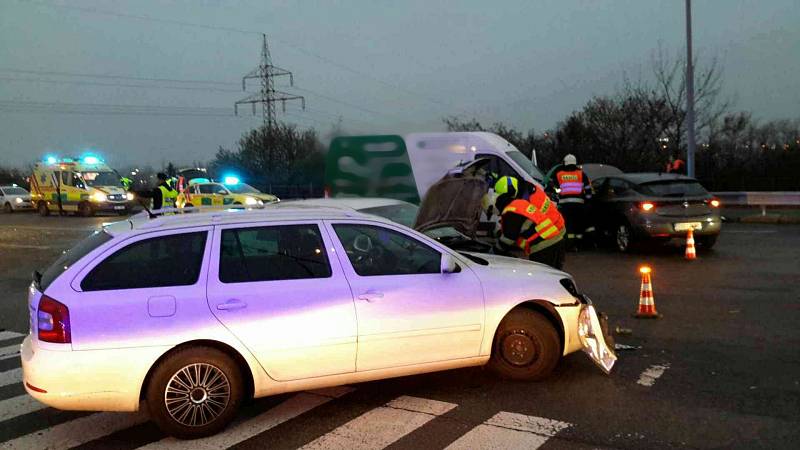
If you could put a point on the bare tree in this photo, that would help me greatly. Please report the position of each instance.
(670, 83)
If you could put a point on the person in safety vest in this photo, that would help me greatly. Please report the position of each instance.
(574, 189)
(529, 222)
(163, 194)
(674, 165)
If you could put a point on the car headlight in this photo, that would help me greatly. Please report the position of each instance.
(18, 200)
(261, 202)
(129, 196)
(250, 201)
(99, 197)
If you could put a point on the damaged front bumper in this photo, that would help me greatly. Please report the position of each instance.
(596, 341)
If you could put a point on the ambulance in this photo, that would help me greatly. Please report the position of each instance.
(82, 186)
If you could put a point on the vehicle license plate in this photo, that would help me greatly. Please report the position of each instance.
(119, 207)
(685, 226)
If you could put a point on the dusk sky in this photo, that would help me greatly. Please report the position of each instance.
(383, 66)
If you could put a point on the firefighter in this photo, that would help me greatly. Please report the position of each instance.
(529, 222)
(574, 189)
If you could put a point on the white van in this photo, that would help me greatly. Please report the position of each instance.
(404, 167)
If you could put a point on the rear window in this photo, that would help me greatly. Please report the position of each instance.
(173, 260)
(677, 188)
(72, 255)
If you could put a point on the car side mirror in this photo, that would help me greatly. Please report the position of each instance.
(449, 264)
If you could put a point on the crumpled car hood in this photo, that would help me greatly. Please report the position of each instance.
(453, 201)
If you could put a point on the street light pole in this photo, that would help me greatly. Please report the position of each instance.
(690, 139)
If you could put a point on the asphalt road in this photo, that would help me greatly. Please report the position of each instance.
(721, 369)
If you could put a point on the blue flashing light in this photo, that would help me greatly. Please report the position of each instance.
(51, 159)
(91, 160)
(231, 180)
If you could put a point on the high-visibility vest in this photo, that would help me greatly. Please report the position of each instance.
(168, 197)
(570, 182)
(546, 223)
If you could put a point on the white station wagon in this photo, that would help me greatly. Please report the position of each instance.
(194, 313)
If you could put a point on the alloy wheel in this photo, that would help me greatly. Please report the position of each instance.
(623, 237)
(197, 394)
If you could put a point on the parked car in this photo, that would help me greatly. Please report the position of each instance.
(14, 198)
(194, 313)
(634, 207)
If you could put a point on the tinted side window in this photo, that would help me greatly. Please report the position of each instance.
(206, 189)
(379, 251)
(286, 252)
(173, 260)
(618, 186)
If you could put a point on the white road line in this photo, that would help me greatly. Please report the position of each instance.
(11, 376)
(507, 430)
(289, 409)
(19, 405)
(10, 351)
(26, 246)
(382, 426)
(651, 374)
(9, 335)
(76, 432)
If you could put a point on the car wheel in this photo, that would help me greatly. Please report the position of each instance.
(44, 211)
(707, 242)
(7, 208)
(195, 392)
(85, 209)
(526, 346)
(623, 237)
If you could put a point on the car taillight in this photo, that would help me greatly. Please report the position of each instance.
(714, 203)
(647, 206)
(53, 321)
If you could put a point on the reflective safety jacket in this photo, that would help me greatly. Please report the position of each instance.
(168, 197)
(571, 185)
(532, 224)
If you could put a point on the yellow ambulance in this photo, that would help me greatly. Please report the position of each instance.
(82, 186)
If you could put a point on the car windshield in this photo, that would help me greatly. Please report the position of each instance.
(526, 164)
(15, 191)
(674, 188)
(101, 179)
(242, 188)
(402, 213)
(69, 257)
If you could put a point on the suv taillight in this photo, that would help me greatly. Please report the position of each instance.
(53, 321)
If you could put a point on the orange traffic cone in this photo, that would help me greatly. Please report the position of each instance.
(690, 251)
(647, 305)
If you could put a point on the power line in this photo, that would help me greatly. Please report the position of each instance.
(115, 76)
(297, 48)
(93, 83)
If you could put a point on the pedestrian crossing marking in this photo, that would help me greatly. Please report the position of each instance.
(11, 376)
(19, 405)
(287, 410)
(76, 432)
(5, 335)
(511, 431)
(383, 425)
(8, 352)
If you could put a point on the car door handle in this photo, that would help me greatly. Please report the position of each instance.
(231, 305)
(370, 296)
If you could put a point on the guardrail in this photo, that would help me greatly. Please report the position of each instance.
(762, 199)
